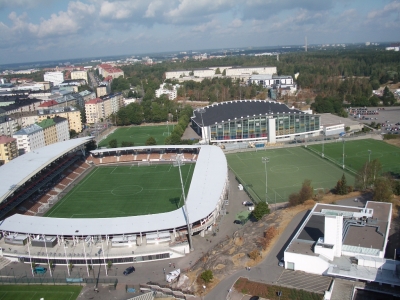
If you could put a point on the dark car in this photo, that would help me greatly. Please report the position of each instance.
(129, 270)
(237, 222)
(248, 203)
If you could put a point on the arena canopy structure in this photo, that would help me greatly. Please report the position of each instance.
(81, 241)
(252, 121)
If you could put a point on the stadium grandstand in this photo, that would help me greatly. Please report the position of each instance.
(50, 171)
(252, 121)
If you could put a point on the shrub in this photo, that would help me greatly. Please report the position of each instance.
(207, 276)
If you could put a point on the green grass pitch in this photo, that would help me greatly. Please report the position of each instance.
(139, 134)
(286, 171)
(119, 191)
(33, 292)
(357, 154)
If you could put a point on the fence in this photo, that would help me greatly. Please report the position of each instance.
(332, 160)
(56, 280)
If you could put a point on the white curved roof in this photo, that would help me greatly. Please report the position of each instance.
(22, 168)
(206, 187)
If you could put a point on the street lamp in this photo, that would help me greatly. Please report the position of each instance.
(343, 155)
(369, 155)
(323, 145)
(265, 160)
(178, 163)
(201, 111)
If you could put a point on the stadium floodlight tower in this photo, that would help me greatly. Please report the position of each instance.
(178, 162)
(265, 160)
(201, 111)
(343, 154)
(369, 155)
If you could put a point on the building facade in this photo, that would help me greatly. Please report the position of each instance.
(171, 92)
(29, 138)
(49, 130)
(94, 110)
(253, 120)
(72, 114)
(54, 77)
(8, 149)
(62, 129)
(79, 75)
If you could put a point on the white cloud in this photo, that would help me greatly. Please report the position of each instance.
(388, 10)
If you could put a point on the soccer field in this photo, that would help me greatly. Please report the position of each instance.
(286, 170)
(357, 153)
(119, 191)
(47, 292)
(138, 135)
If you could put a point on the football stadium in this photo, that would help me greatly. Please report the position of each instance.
(61, 204)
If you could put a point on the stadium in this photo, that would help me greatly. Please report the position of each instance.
(252, 121)
(124, 222)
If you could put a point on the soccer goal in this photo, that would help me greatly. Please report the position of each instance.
(144, 163)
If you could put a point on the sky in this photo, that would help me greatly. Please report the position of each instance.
(40, 30)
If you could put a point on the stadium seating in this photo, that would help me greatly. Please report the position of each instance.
(154, 156)
(109, 159)
(141, 157)
(126, 158)
(168, 156)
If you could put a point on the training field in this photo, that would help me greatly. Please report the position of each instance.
(47, 292)
(286, 171)
(119, 191)
(139, 134)
(357, 154)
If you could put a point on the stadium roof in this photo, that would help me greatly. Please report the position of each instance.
(208, 180)
(237, 109)
(22, 168)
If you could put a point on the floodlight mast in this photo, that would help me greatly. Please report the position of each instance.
(201, 111)
(179, 162)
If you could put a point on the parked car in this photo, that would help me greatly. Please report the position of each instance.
(281, 262)
(39, 270)
(248, 203)
(129, 270)
(237, 222)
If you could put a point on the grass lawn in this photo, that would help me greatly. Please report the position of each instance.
(48, 292)
(286, 171)
(118, 191)
(357, 154)
(138, 135)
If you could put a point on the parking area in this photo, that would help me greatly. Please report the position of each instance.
(301, 280)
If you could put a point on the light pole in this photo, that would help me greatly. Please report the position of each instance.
(369, 155)
(201, 111)
(265, 160)
(343, 154)
(323, 145)
(178, 162)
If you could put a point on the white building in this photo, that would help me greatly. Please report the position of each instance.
(62, 128)
(272, 81)
(345, 241)
(79, 75)
(55, 77)
(29, 138)
(170, 91)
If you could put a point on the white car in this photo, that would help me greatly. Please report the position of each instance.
(281, 262)
(355, 200)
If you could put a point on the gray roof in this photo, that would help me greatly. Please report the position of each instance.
(225, 111)
(208, 181)
(28, 130)
(22, 168)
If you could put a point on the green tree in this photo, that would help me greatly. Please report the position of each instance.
(131, 94)
(207, 276)
(151, 141)
(382, 190)
(113, 143)
(341, 186)
(306, 191)
(91, 145)
(217, 71)
(72, 134)
(260, 210)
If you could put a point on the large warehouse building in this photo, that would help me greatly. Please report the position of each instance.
(253, 120)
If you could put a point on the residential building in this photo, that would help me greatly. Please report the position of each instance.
(8, 149)
(94, 110)
(112, 103)
(167, 89)
(8, 125)
(29, 138)
(72, 114)
(87, 95)
(25, 118)
(79, 75)
(54, 77)
(50, 131)
(109, 70)
(22, 105)
(102, 90)
(62, 129)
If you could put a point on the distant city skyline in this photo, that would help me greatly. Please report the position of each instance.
(41, 30)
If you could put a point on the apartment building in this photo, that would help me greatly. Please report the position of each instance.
(72, 114)
(102, 90)
(49, 130)
(94, 110)
(54, 77)
(29, 138)
(79, 75)
(62, 128)
(169, 90)
(8, 149)
(87, 95)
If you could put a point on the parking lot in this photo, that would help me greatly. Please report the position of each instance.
(308, 282)
(388, 117)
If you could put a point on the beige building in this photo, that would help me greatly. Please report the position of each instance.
(79, 75)
(8, 149)
(101, 90)
(72, 114)
(94, 110)
(50, 131)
